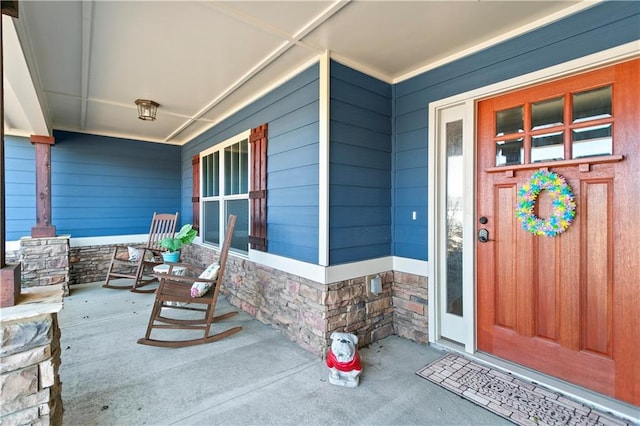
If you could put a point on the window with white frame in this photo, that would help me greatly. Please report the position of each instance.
(225, 190)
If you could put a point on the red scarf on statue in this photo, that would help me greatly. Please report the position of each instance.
(354, 364)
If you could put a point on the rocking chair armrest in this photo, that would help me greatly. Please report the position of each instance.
(155, 251)
(184, 279)
(188, 266)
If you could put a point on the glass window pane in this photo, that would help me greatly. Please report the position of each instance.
(547, 147)
(240, 208)
(236, 170)
(509, 121)
(211, 213)
(590, 141)
(228, 170)
(509, 152)
(244, 167)
(455, 172)
(210, 184)
(547, 113)
(592, 105)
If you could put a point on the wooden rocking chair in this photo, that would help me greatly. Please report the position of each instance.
(174, 295)
(139, 271)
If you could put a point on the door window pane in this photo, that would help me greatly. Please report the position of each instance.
(509, 121)
(592, 104)
(509, 152)
(591, 141)
(547, 113)
(547, 147)
(455, 173)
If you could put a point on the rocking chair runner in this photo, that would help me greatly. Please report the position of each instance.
(162, 225)
(174, 292)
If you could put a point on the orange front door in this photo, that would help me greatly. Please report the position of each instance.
(566, 305)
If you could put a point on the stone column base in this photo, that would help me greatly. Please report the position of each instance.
(9, 285)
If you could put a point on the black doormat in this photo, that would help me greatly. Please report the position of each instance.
(518, 401)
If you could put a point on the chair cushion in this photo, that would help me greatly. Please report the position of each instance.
(200, 288)
(135, 254)
(122, 255)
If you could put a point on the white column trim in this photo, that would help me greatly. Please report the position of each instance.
(323, 166)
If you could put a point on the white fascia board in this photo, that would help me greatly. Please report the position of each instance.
(20, 80)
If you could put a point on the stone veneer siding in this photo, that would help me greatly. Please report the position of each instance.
(410, 307)
(305, 311)
(45, 261)
(89, 264)
(308, 312)
(30, 389)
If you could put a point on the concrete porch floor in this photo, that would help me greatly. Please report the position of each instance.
(256, 377)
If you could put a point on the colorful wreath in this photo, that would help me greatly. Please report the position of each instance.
(562, 203)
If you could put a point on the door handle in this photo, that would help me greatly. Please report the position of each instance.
(483, 235)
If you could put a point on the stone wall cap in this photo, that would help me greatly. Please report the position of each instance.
(34, 301)
(57, 237)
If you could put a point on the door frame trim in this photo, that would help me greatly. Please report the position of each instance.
(435, 217)
(469, 99)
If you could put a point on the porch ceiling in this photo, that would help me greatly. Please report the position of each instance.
(202, 60)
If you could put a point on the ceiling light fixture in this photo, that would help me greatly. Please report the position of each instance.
(147, 109)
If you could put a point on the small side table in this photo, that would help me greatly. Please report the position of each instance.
(164, 268)
(177, 270)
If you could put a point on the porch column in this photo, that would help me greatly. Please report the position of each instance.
(43, 226)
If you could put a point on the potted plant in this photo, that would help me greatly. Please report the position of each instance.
(185, 236)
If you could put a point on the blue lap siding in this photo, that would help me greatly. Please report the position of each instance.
(19, 190)
(359, 166)
(100, 186)
(601, 27)
(291, 110)
(111, 186)
(378, 163)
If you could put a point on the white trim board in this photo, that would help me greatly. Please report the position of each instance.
(313, 272)
(532, 26)
(469, 99)
(324, 143)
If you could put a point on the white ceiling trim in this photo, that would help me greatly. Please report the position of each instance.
(363, 69)
(19, 89)
(501, 38)
(251, 100)
(15, 120)
(292, 42)
(119, 135)
(87, 24)
(133, 107)
(31, 98)
(270, 58)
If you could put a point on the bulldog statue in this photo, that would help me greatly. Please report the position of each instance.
(343, 360)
